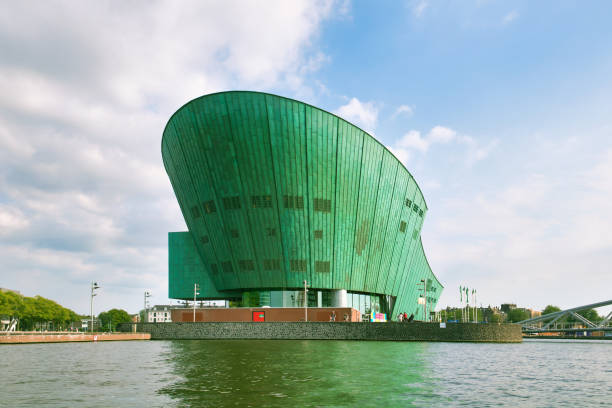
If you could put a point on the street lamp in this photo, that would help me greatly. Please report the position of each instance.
(147, 295)
(305, 301)
(94, 286)
(196, 288)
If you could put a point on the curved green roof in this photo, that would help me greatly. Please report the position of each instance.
(275, 191)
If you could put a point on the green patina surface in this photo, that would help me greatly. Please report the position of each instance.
(275, 192)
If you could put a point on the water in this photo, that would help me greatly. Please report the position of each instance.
(278, 373)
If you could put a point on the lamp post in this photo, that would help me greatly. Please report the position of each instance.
(94, 286)
(147, 295)
(196, 287)
(305, 301)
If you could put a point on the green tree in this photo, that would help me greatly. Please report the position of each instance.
(33, 311)
(495, 318)
(517, 315)
(550, 309)
(591, 314)
(113, 318)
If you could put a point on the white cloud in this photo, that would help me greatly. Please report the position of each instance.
(403, 109)
(441, 134)
(510, 17)
(418, 7)
(543, 229)
(362, 114)
(414, 141)
(87, 88)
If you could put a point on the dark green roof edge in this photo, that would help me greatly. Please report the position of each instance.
(306, 104)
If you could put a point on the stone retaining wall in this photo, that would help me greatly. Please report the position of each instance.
(393, 331)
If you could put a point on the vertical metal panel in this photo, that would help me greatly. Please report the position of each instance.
(350, 150)
(380, 216)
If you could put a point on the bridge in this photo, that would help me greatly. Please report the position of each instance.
(553, 322)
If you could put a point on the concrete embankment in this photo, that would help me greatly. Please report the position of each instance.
(61, 337)
(391, 331)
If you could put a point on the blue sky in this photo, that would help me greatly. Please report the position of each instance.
(501, 111)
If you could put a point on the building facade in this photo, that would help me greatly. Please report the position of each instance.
(276, 193)
(159, 314)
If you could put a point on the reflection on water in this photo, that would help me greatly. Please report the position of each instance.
(306, 373)
(300, 373)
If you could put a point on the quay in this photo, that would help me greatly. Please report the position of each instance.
(66, 337)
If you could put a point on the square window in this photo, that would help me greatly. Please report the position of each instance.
(247, 265)
(322, 266)
(227, 267)
(271, 264)
(234, 233)
(408, 203)
(266, 201)
(298, 265)
(271, 232)
(322, 205)
(195, 211)
(415, 208)
(231, 203)
(209, 206)
(318, 234)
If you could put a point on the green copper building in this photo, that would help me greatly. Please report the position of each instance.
(276, 192)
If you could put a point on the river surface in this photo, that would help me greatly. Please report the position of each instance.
(309, 373)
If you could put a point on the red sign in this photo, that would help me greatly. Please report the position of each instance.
(259, 316)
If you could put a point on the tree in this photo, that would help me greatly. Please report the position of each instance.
(495, 318)
(550, 309)
(591, 314)
(34, 311)
(113, 318)
(517, 315)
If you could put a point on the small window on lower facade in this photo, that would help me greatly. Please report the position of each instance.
(231, 203)
(261, 201)
(227, 267)
(271, 264)
(318, 234)
(209, 206)
(234, 233)
(246, 265)
(205, 239)
(298, 265)
(322, 266)
(195, 211)
(403, 226)
(322, 205)
(271, 232)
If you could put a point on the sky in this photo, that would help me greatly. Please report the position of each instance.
(502, 111)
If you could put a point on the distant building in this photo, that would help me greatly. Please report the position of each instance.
(159, 314)
(534, 313)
